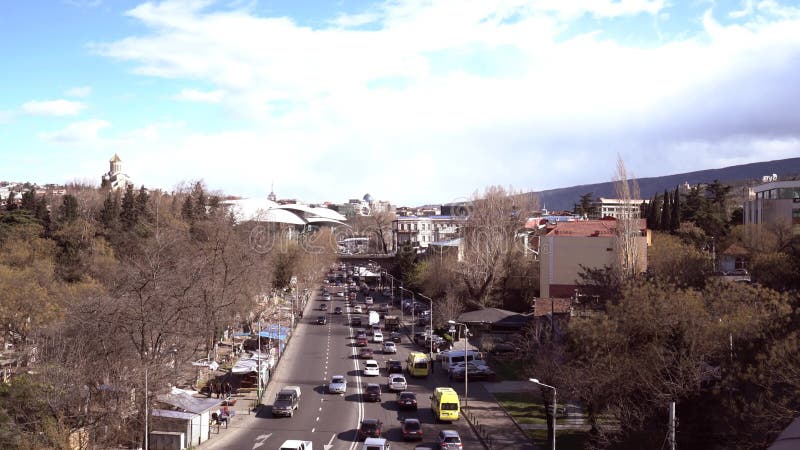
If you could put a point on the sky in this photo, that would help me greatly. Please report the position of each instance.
(411, 101)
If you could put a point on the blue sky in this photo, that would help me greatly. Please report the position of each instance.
(412, 101)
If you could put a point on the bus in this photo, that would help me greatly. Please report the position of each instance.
(456, 356)
(418, 364)
(445, 404)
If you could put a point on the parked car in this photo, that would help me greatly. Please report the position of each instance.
(412, 429)
(322, 320)
(389, 347)
(371, 368)
(476, 370)
(407, 400)
(370, 428)
(397, 383)
(338, 385)
(393, 366)
(366, 353)
(449, 440)
(372, 393)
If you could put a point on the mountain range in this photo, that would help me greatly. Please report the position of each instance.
(741, 176)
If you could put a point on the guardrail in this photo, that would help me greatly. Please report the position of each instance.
(480, 430)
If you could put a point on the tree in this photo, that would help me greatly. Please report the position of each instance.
(628, 228)
(128, 214)
(584, 205)
(109, 215)
(28, 202)
(675, 222)
(677, 262)
(666, 213)
(11, 203)
(143, 205)
(68, 211)
(200, 202)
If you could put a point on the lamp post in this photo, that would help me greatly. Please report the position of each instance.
(534, 380)
(466, 361)
(259, 360)
(430, 300)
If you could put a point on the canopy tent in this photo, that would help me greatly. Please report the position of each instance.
(247, 365)
(275, 331)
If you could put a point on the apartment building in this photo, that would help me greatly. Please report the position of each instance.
(420, 231)
(775, 203)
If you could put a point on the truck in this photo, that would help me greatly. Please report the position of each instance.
(391, 323)
(294, 444)
(287, 401)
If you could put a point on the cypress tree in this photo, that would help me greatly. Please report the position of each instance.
(29, 200)
(11, 203)
(69, 208)
(128, 215)
(142, 201)
(187, 211)
(109, 214)
(676, 209)
(652, 217)
(666, 215)
(200, 202)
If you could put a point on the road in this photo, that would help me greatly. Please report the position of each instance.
(317, 352)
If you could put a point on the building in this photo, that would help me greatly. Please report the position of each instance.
(115, 179)
(616, 208)
(774, 203)
(422, 231)
(569, 246)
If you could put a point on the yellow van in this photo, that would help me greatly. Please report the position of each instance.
(445, 404)
(418, 364)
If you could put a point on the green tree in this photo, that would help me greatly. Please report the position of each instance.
(11, 202)
(666, 214)
(200, 202)
(68, 211)
(109, 214)
(28, 202)
(187, 210)
(675, 222)
(143, 205)
(129, 214)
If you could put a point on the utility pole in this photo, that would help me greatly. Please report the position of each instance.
(671, 437)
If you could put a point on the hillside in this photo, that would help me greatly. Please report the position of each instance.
(741, 175)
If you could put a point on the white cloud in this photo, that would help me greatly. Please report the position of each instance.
(78, 91)
(58, 107)
(84, 133)
(462, 94)
(6, 117)
(194, 95)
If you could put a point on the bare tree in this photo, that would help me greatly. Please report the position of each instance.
(628, 230)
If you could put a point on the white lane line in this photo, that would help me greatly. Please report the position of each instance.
(317, 419)
(312, 430)
(320, 408)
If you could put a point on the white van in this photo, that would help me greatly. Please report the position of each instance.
(456, 356)
(376, 444)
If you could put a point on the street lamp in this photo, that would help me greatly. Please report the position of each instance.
(536, 381)
(430, 300)
(466, 361)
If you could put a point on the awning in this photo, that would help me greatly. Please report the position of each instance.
(275, 331)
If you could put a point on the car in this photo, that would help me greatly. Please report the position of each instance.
(340, 294)
(396, 336)
(338, 310)
(449, 440)
(739, 272)
(322, 320)
(477, 371)
(407, 400)
(377, 337)
(356, 322)
(393, 366)
(371, 368)
(389, 347)
(372, 392)
(370, 428)
(326, 296)
(357, 309)
(397, 383)
(369, 300)
(338, 385)
(362, 341)
(412, 429)
(323, 307)
(366, 353)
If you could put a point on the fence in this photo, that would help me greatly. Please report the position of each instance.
(480, 429)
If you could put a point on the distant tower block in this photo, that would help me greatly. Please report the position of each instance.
(272, 195)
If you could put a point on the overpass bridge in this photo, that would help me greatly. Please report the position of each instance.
(386, 261)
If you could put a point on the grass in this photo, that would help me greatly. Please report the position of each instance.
(508, 369)
(528, 408)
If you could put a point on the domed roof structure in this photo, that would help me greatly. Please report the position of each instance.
(367, 198)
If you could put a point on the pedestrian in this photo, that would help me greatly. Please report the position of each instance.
(228, 389)
(218, 388)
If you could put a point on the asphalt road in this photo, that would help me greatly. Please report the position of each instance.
(318, 352)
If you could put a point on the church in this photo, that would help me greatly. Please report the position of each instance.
(115, 179)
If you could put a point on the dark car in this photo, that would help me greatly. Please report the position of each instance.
(361, 341)
(322, 320)
(412, 429)
(366, 353)
(355, 321)
(372, 392)
(407, 400)
(370, 428)
(393, 366)
(396, 336)
(337, 310)
(323, 307)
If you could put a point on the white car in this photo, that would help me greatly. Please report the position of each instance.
(357, 309)
(326, 297)
(389, 347)
(397, 383)
(338, 384)
(369, 300)
(340, 294)
(377, 337)
(371, 368)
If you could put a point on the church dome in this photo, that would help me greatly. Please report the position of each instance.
(368, 198)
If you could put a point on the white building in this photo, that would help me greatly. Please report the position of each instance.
(422, 231)
(617, 208)
(775, 202)
(115, 179)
